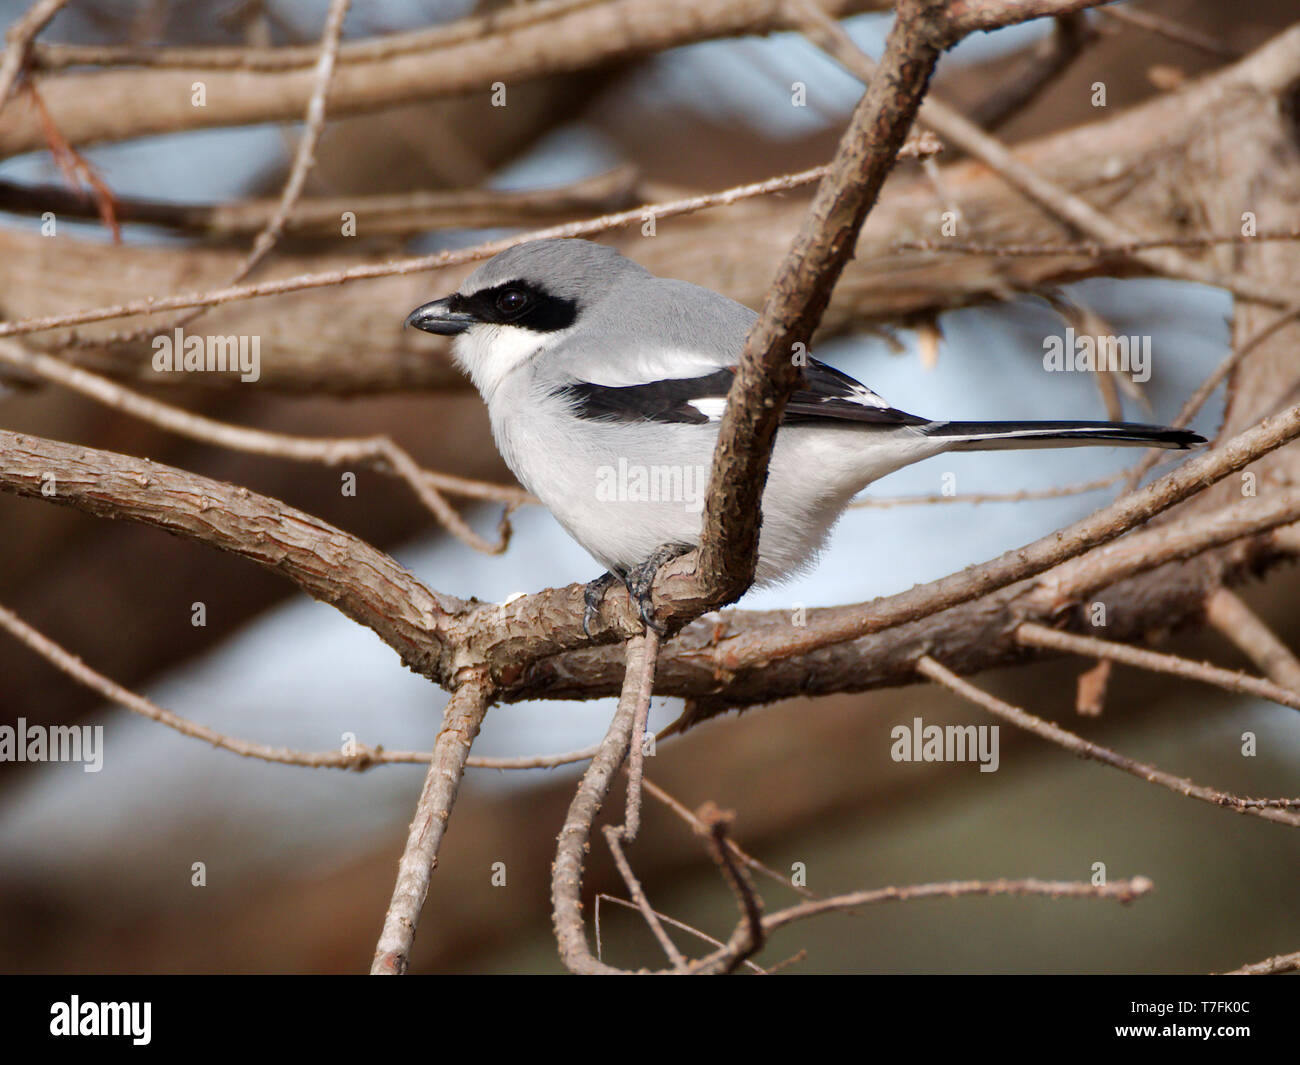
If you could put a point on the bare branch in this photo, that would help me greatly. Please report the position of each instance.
(1233, 619)
(1174, 31)
(1124, 891)
(419, 264)
(1268, 809)
(954, 127)
(461, 721)
(466, 57)
(380, 214)
(750, 933)
(1281, 963)
(767, 372)
(380, 452)
(18, 43)
(1035, 635)
(566, 872)
(326, 562)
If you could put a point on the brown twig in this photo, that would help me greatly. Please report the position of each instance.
(750, 933)
(1124, 891)
(1280, 963)
(76, 168)
(1234, 620)
(739, 852)
(1042, 67)
(380, 452)
(1269, 809)
(1031, 634)
(955, 128)
(325, 562)
(690, 929)
(767, 374)
(19, 39)
(642, 686)
(363, 758)
(1095, 249)
(1216, 377)
(381, 214)
(461, 721)
(1022, 496)
(567, 870)
(637, 891)
(1174, 31)
(416, 265)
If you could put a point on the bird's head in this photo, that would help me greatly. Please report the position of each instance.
(521, 302)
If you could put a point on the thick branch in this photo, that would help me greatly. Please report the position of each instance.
(325, 562)
(121, 104)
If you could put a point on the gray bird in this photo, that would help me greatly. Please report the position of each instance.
(605, 385)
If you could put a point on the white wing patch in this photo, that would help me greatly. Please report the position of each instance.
(712, 407)
(646, 366)
(862, 394)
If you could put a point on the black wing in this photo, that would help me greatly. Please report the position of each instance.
(828, 396)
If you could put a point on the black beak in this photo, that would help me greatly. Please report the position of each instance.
(438, 317)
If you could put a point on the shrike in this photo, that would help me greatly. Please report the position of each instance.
(605, 385)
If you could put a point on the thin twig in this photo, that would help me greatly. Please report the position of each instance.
(380, 452)
(1216, 377)
(1174, 31)
(419, 264)
(1031, 634)
(1025, 495)
(18, 43)
(641, 686)
(637, 891)
(461, 721)
(1120, 890)
(304, 159)
(1278, 810)
(1279, 963)
(1059, 202)
(636, 755)
(1229, 616)
(682, 925)
(1094, 249)
(750, 934)
(570, 855)
(363, 757)
(740, 853)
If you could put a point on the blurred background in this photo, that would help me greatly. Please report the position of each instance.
(95, 869)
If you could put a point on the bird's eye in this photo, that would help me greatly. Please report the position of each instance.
(512, 301)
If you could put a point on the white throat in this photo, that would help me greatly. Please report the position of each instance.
(490, 353)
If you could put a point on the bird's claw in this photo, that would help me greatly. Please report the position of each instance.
(593, 595)
(641, 579)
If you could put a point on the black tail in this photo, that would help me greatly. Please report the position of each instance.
(991, 436)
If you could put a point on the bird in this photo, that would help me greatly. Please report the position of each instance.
(605, 385)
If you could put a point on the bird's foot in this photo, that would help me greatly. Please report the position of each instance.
(592, 597)
(640, 580)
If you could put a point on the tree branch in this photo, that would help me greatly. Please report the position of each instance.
(461, 721)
